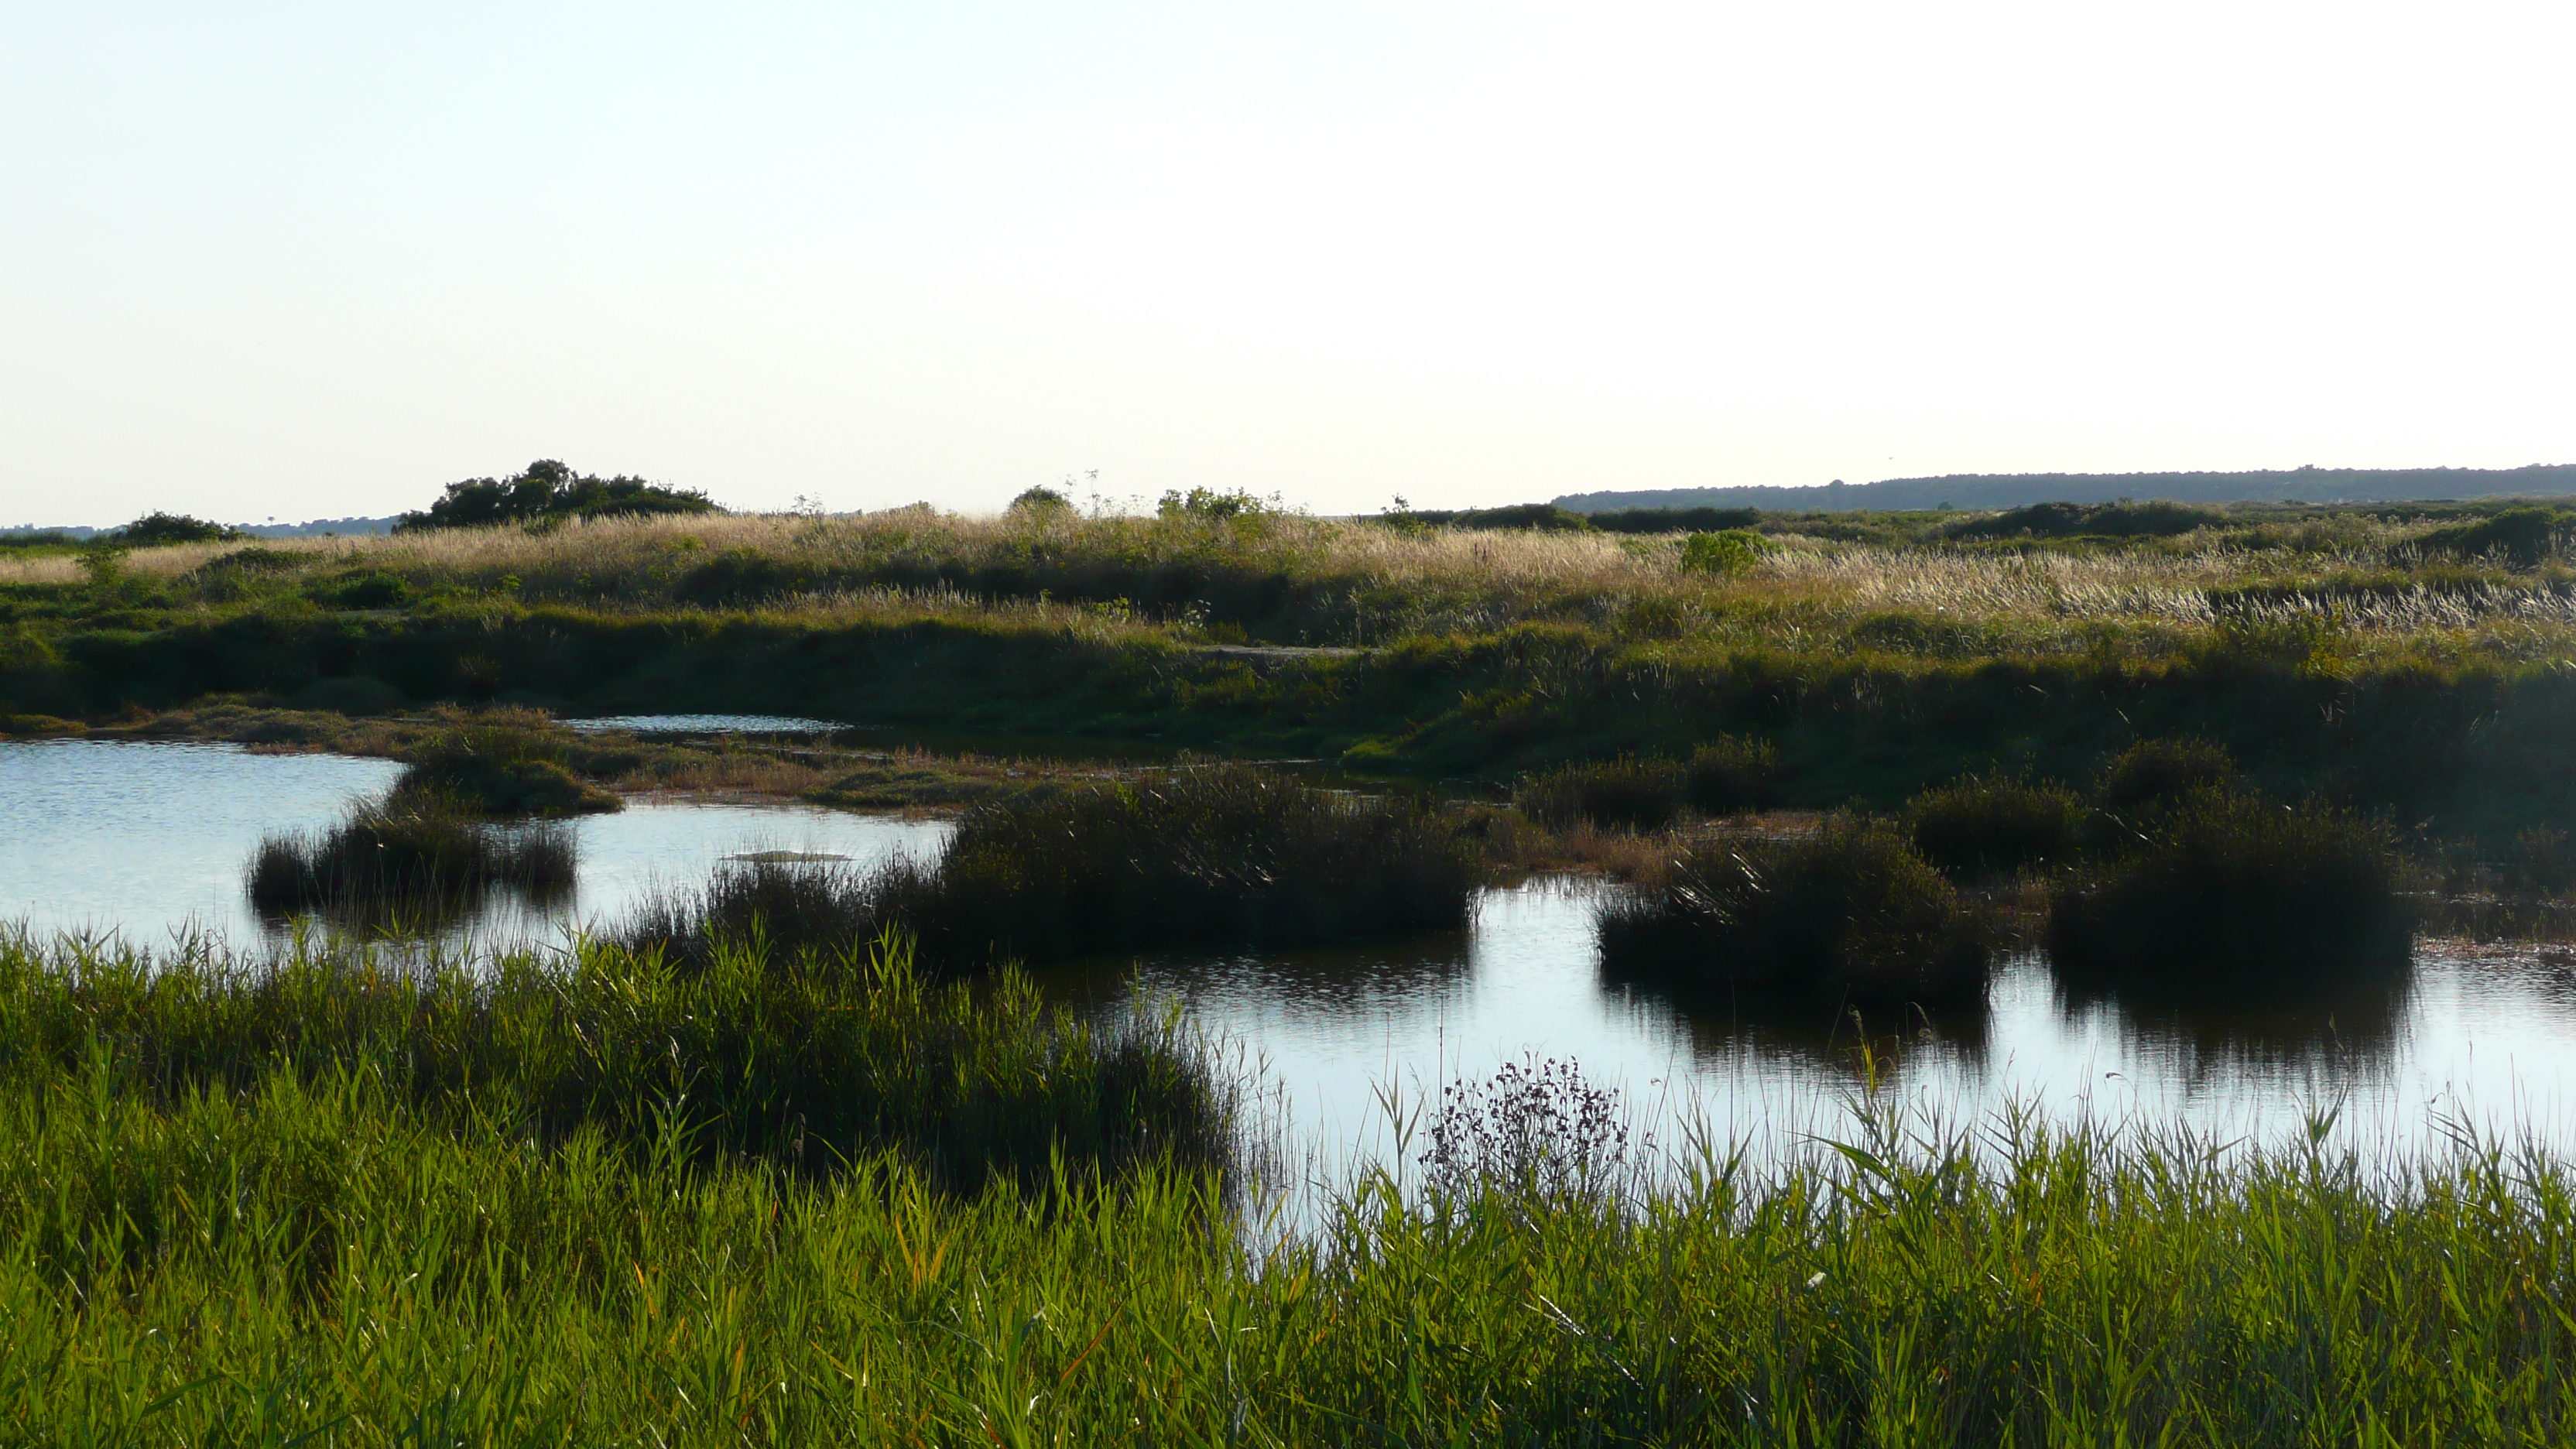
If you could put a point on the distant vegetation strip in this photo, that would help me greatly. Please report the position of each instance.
(2016, 490)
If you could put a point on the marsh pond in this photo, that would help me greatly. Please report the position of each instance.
(146, 843)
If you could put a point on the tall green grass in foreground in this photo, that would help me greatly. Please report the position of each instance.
(309, 1246)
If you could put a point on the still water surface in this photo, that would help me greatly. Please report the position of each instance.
(150, 840)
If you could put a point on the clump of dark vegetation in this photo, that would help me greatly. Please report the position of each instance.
(1675, 520)
(2153, 772)
(2154, 519)
(1545, 517)
(495, 770)
(1989, 823)
(1850, 912)
(415, 858)
(1222, 854)
(1732, 774)
(1631, 792)
(2222, 890)
(550, 492)
(2519, 536)
(156, 530)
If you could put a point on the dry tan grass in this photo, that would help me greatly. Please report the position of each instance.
(1805, 593)
(45, 569)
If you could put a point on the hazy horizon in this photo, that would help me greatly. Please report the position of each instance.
(302, 262)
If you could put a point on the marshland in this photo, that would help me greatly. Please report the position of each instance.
(1928, 978)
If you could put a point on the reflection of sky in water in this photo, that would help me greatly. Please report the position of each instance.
(151, 839)
(148, 839)
(705, 724)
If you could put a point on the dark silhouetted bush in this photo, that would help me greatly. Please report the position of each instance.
(421, 858)
(549, 492)
(2225, 891)
(1732, 774)
(1849, 912)
(359, 589)
(1222, 855)
(2157, 771)
(1986, 824)
(492, 770)
(155, 530)
(1675, 520)
(1631, 792)
(2153, 519)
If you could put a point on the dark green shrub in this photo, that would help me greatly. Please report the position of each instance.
(1849, 912)
(2522, 536)
(2152, 519)
(154, 530)
(360, 589)
(1732, 774)
(2224, 890)
(1631, 792)
(2542, 861)
(1728, 551)
(737, 576)
(2152, 772)
(420, 859)
(498, 771)
(548, 492)
(1218, 855)
(1986, 824)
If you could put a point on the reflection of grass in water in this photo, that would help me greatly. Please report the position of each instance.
(415, 860)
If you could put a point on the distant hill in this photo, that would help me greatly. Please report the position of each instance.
(2015, 490)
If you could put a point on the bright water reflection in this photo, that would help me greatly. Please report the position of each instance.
(148, 839)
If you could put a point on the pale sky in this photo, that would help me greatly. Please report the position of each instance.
(317, 260)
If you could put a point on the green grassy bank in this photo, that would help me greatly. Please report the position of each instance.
(329, 1205)
(2415, 665)
(2479, 747)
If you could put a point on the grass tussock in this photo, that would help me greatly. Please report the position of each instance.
(1985, 824)
(1631, 792)
(496, 770)
(1209, 855)
(2152, 773)
(2223, 891)
(415, 856)
(1849, 912)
